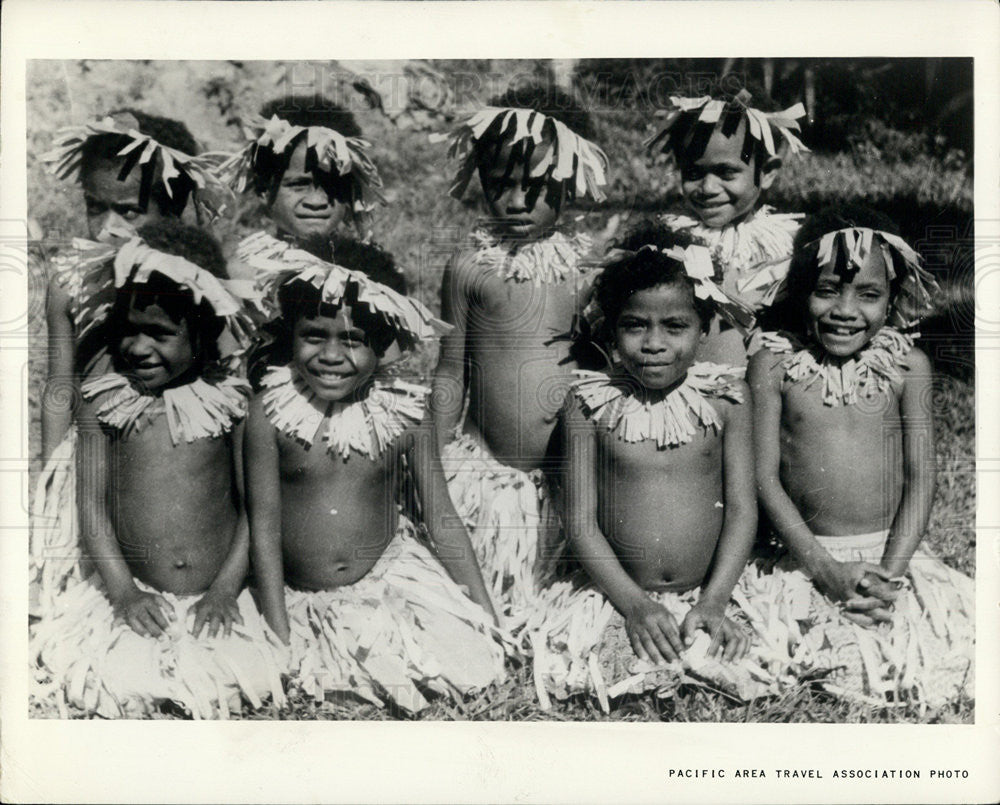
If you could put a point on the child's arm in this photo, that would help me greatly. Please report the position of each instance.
(448, 388)
(652, 630)
(56, 419)
(146, 613)
(919, 466)
(450, 544)
(838, 580)
(217, 608)
(263, 486)
(739, 526)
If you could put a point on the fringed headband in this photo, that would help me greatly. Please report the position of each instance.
(846, 250)
(136, 262)
(334, 154)
(278, 264)
(66, 158)
(713, 112)
(698, 266)
(568, 160)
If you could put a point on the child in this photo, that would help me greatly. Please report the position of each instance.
(511, 293)
(727, 151)
(845, 469)
(134, 168)
(306, 161)
(341, 574)
(660, 508)
(165, 617)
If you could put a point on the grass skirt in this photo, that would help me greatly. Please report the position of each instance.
(505, 511)
(580, 645)
(83, 657)
(403, 630)
(54, 560)
(924, 655)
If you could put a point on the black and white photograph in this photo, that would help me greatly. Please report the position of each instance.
(590, 390)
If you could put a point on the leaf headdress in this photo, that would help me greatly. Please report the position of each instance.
(276, 264)
(328, 149)
(568, 160)
(761, 126)
(846, 250)
(135, 262)
(141, 150)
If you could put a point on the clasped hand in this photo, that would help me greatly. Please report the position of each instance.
(865, 590)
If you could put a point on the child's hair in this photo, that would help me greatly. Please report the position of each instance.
(689, 138)
(804, 270)
(164, 130)
(641, 268)
(370, 259)
(196, 246)
(303, 110)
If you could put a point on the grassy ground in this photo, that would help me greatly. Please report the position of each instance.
(421, 226)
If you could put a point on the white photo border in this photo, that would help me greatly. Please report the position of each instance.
(85, 761)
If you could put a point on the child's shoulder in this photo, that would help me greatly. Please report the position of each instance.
(915, 363)
(721, 385)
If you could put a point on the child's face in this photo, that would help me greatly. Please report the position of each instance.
(657, 334)
(155, 348)
(332, 355)
(109, 201)
(303, 206)
(510, 204)
(719, 188)
(845, 314)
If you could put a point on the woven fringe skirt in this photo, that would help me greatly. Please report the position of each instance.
(507, 513)
(923, 656)
(580, 645)
(403, 631)
(82, 656)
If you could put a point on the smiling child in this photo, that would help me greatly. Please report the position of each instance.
(728, 147)
(150, 604)
(134, 168)
(366, 607)
(844, 440)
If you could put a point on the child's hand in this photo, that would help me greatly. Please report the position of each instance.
(653, 632)
(881, 587)
(843, 581)
(874, 603)
(147, 614)
(729, 641)
(216, 610)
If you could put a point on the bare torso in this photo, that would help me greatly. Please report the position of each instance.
(517, 373)
(842, 466)
(337, 517)
(174, 509)
(661, 509)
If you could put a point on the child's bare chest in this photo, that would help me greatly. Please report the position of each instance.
(315, 464)
(641, 461)
(149, 452)
(509, 307)
(804, 413)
